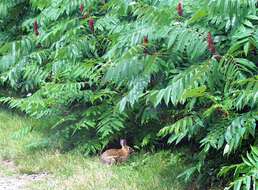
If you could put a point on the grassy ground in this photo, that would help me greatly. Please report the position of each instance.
(73, 171)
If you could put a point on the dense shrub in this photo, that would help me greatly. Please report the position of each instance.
(147, 70)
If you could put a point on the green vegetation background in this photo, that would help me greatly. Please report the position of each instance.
(162, 74)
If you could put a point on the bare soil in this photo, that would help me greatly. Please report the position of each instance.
(10, 179)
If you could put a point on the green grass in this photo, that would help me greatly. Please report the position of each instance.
(73, 171)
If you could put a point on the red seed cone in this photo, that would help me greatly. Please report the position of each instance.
(145, 44)
(145, 40)
(91, 25)
(180, 8)
(36, 31)
(81, 8)
(211, 45)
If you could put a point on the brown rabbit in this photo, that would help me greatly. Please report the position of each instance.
(112, 156)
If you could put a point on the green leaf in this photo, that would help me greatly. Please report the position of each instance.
(246, 48)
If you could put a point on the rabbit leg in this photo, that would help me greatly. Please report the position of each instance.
(109, 161)
(112, 161)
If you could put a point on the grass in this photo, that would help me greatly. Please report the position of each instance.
(73, 171)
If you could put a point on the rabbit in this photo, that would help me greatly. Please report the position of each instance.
(113, 156)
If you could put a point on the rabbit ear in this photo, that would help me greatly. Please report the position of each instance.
(123, 142)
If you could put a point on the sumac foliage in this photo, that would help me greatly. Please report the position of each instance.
(143, 70)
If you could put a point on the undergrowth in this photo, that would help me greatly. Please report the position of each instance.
(33, 154)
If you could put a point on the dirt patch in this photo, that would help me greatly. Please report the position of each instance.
(16, 181)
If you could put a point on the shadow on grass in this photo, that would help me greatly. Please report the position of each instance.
(37, 151)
